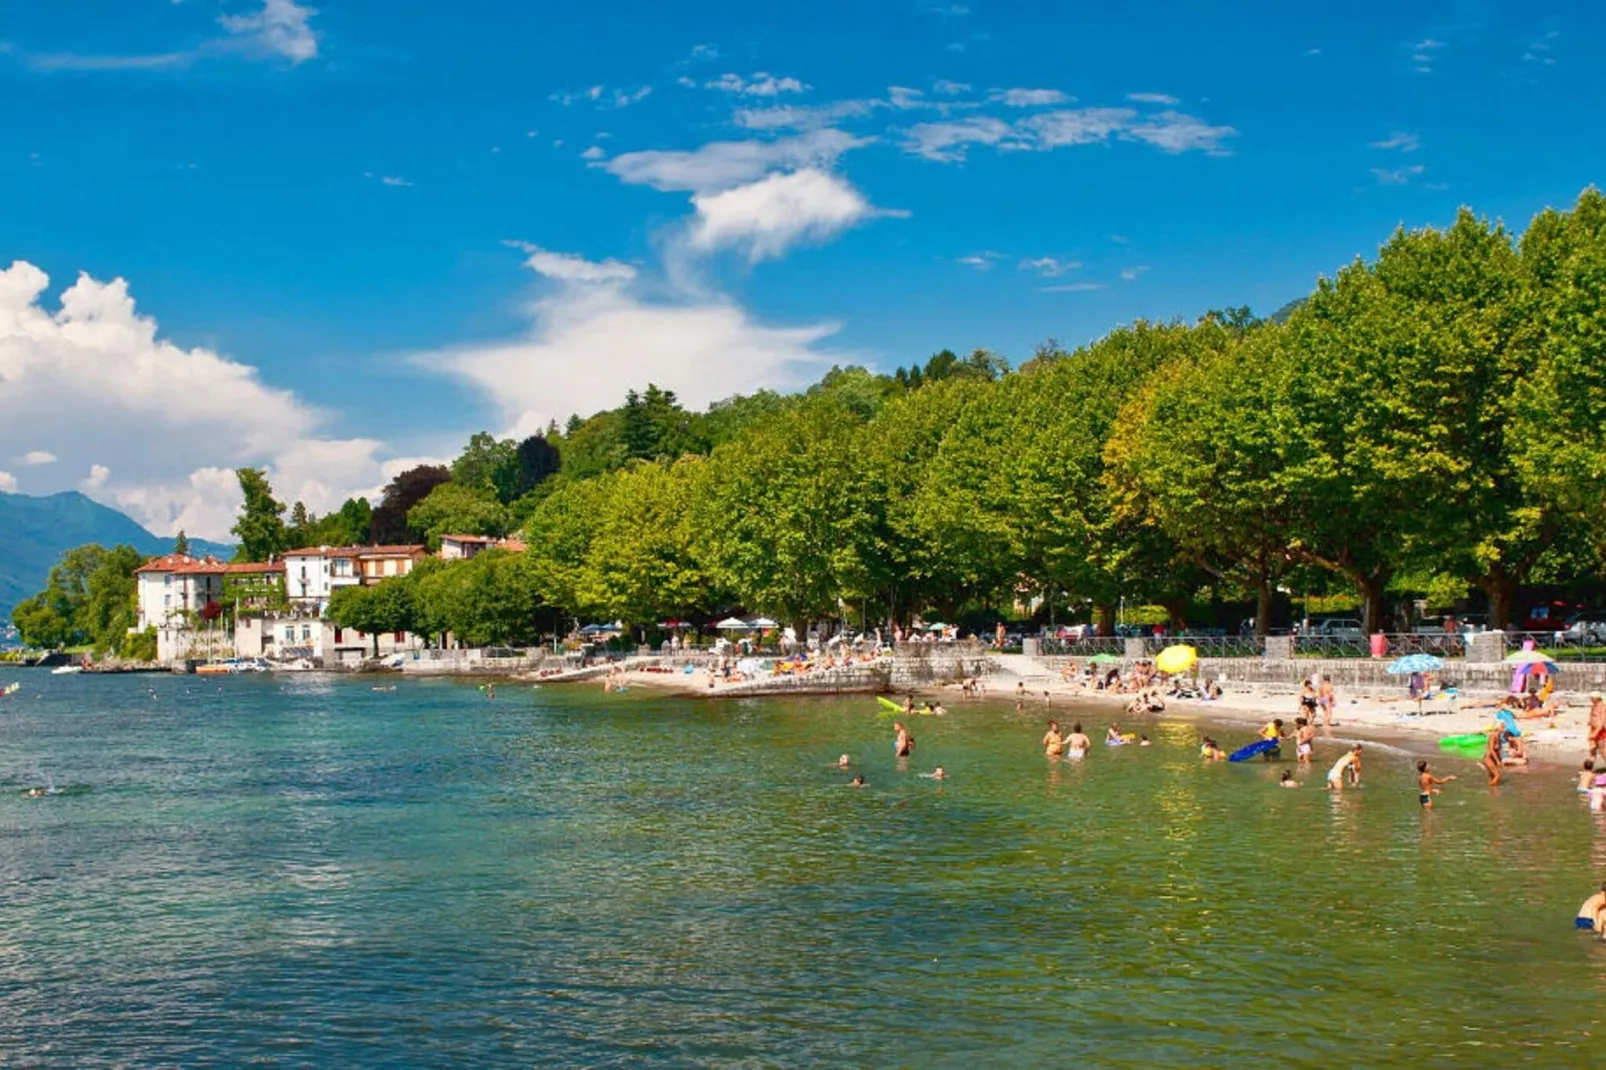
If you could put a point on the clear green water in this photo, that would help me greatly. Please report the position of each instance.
(299, 870)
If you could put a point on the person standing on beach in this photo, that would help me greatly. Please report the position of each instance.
(1427, 785)
(1349, 765)
(1597, 725)
(1326, 698)
(1307, 700)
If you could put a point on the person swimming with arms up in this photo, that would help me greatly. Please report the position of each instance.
(1427, 785)
(936, 774)
(1077, 744)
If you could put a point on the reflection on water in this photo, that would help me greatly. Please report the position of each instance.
(301, 869)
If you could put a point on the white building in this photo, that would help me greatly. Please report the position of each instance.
(175, 590)
(463, 547)
(313, 574)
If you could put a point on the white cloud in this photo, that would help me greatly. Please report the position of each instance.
(1399, 176)
(804, 117)
(588, 341)
(567, 267)
(1028, 98)
(600, 96)
(982, 261)
(1153, 98)
(595, 152)
(950, 88)
(1424, 53)
(1049, 267)
(395, 180)
(8, 482)
(1077, 126)
(757, 84)
(722, 164)
(1072, 288)
(280, 29)
(98, 379)
(903, 98)
(98, 475)
(1175, 132)
(1131, 274)
(771, 215)
(703, 53)
(1398, 140)
(947, 141)
(37, 457)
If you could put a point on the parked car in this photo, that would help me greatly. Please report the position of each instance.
(1341, 628)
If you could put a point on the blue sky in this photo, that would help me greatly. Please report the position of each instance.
(357, 231)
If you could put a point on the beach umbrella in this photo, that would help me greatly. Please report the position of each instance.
(734, 624)
(1536, 660)
(762, 622)
(1176, 659)
(1414, 663)
(1103, 659)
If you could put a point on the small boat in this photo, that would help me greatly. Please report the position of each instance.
(10, 689)
(216, 668)
(66, 670)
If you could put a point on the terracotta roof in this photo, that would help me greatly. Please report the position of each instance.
(469, 538)
(253, 568)
(513, 545)
(182, 564)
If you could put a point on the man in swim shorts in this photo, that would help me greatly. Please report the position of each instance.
(902, 742)
(1349, 765)
(1427, 785)
(1326, 698)
(1592, 915)
(1076, 744)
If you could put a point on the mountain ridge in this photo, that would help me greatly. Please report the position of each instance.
(35, 530)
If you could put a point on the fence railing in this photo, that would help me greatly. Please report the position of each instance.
(1085, 647)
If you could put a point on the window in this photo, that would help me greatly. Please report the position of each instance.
(401, 637)
(306, 633)
(167, 601)
(339, 635)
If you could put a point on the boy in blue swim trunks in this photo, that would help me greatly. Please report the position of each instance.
(1427, 785)
(1592, 915)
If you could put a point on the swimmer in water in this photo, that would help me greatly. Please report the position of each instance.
(1304, 740)
(1350, 766)
(935, 774)
(1427, 785)
(938, 711)
(1143, 741)
(1053, 742)
(842, 762)
(1592, 915)
(1586, 776)
(1288, 780)
(857, 782)
(1211, 751)
(902, 743)
(1114, 734)
(1077, 744)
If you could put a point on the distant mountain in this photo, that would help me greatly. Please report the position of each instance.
(34, 532)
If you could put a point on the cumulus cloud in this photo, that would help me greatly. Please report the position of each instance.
(1076, 126)
(757, 84)
(1153, 98)
(767, 217)
(95, 378)
(8, 482)
(567, 267)
(723, 164)
(947, 141)
(589, 340)
(1398, 140)
(950, 88)
(34, 457)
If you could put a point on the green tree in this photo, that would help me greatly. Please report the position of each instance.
(457, 509)
(388, 522)
(260, 525)
(181, 543)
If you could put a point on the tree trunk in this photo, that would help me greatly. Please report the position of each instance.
(1106, 614)
(1262, 606)
(1501, 587)
(1370, 591)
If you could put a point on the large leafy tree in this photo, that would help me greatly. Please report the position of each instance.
(460, 509)
(89, 599)
(260, 526)
(388, 525)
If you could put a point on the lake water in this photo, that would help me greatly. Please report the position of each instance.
(297, 869)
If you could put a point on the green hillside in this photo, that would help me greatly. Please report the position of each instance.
(37, 530)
